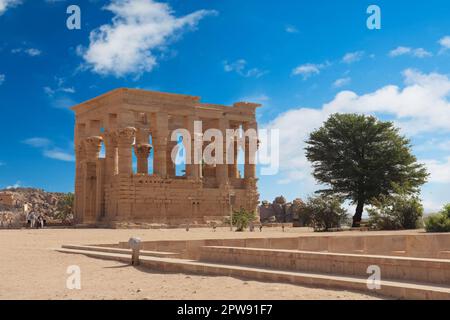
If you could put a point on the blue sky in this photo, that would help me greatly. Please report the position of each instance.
(301, 59)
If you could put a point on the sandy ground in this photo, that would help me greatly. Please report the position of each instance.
(30, 269)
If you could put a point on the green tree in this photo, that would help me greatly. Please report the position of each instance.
(439, 222)
(64, 210)
(396, 212)
(242, 219)
(325, 212)
(361, 158)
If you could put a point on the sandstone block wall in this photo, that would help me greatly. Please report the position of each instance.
(127, 124)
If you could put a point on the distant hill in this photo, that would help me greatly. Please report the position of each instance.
(15, 199)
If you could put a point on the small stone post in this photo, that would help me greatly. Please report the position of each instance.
(135, 245)
(232, 202)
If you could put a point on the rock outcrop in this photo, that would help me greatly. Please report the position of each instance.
(16, 202)
(280, 210)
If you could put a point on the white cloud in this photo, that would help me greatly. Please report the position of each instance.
(240, 67)
(434, 144)
(421, 106)
(59, 94)
(48, 149)
(399, 51)
(60, 87)
(422, 53)
(342, 82)
(68, 90)
(51, 92)
(418, 53)
(38, 142)
(32, 52)
(138, 28)
(352, 57)
(16, 185)
(309, 69)
(439, 170)
(2, 79)
(445, 43)
(291, 29)
(63, 102)
(259, 98)
(445, 145)
(6, 4)
(59, 155)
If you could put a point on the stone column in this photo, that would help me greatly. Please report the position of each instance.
(142, 152)
(142, 135)
(160, 143)
(222, 168)
(111, 155)
(192, 169)
(91, 191)
(80, 152)
(233, 169)
(124, 142)
(251, 142)
(170, 164)
(92, 147)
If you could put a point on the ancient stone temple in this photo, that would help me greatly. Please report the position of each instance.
(124, 168)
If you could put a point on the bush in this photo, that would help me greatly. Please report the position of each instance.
(396, 212)
(439, 222)
(64, 210)
(242, 218)
(324, 212)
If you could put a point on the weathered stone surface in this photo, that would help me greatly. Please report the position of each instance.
(281, 211)
(108, 191)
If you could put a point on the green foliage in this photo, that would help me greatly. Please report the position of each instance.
(64, 210)
(446, 210)
(396, 212)
(324, 212)
(361, 158)
(242, 219)
(439, 222)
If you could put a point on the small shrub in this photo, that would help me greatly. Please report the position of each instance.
(397, 212)
(324, 212)
(64, 210)
(242, 219)
(439, 222)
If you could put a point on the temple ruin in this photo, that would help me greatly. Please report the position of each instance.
(114, 128)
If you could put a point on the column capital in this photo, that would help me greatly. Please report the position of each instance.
(110, 138)
(126, 135)
(143, 149)
(92, 147)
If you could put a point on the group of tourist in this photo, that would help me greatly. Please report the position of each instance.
(35, 220)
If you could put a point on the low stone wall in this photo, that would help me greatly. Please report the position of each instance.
(397, 268)
(408, 245)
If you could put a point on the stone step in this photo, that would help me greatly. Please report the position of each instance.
(397, 268)
(394, 289)
(120, 250)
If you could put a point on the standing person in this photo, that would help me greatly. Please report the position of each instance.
(32, 219)
(28, 219)
(41, 221)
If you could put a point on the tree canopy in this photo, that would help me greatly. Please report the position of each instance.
(361, 158)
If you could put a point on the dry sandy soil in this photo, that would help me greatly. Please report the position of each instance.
(31, 269)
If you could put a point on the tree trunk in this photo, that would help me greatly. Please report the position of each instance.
(358, 214)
